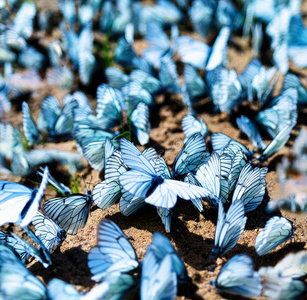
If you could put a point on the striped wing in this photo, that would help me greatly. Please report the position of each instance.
(70, 213)
(113, 254)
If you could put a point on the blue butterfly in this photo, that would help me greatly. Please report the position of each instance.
(237, 277)
(276, 231)
(70, 212)
(190, 126)
(114, 255)
(48, 231)
(228, 228)
(250, 187)
(16, 280)
(153, 187)
(19, 203)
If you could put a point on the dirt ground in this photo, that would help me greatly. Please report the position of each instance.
(192, 233)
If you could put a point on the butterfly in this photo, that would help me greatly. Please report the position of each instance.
(19, 203)
(248, 127)
(237, 277)
(25, 250)
(168, 75)
(23, 21)
(291, 81)
(225, 88)
(142, 180)
(29, 127)
(277, 143)
(282, 112)
(213, 175)
(160, 45)
(158, 280)
(114, 255)
(195, 85)
(190, 126)
(71, 212)
(192, 51)
(161, 247)
(220, 141)
(48, 231)
(62, 188)
(228, 228)
(276, 231)
(17, 282)
(191, 156)
(59, 289)
(250, 187)
(219, 50)
(32, 59)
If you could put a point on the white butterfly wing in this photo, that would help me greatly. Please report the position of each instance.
(229, 228)
(48, 231)
(113, 254)
(158, 281)
(276, 231)
(70, 213)
(238, 277)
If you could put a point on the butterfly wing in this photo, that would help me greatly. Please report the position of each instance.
(238, 277)
(113, 255)
(48, 231)
(158, 280)
(276, 231)
(17, 282)
(29, 127)
(191, 156)
(70, 213)
(229, 228)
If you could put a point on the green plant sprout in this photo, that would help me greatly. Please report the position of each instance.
(74, 183)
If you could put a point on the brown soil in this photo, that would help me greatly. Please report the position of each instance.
(192, 232)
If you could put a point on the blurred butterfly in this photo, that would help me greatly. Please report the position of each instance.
(277, 143)
(192, 51)
(291, 81)
(48, 231)
(248, 127)
(228, 228)
(71, 212)
(191, 156)
(30, 130)
(195, 85)
(140, 123)
(201, 14)
(32, 59)
(227, 14)
(19, 203)
(297, 43)
(250, 187)
(168, 75)
(160, 45)
(58, 289)
(158, 279)
(219, 50)
(294, 265)
(225, 88)
(237, 277)
(17, 282)
(26, 250)
(276, 231)
(68, 10)
(282, 112)
(114, 255)
(62, 77)
(190, 126)
(162, 247)
(23, 21)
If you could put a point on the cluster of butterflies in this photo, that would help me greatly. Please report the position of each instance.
(132, 177)
(139, 178)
